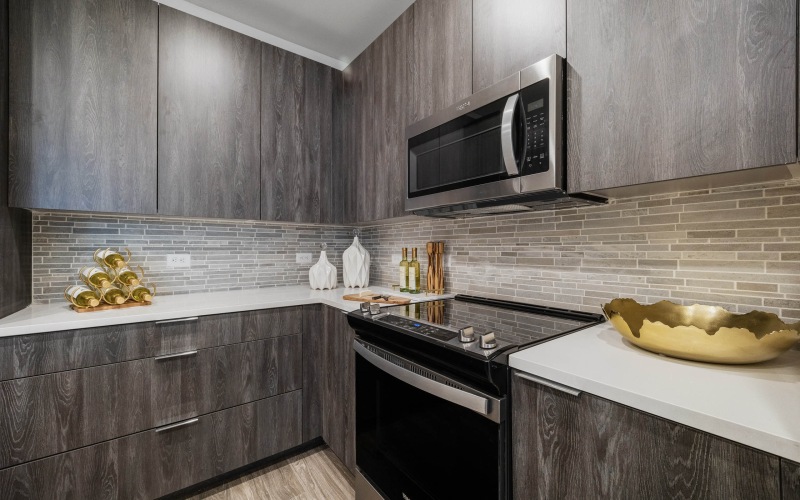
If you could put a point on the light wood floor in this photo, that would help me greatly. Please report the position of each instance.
(315, 474)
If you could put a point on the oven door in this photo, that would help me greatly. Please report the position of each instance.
(422, 435)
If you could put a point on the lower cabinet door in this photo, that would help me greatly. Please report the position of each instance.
(566, 446)
(163, 460)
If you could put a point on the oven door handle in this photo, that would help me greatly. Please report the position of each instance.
(468, 400)
(506, 129)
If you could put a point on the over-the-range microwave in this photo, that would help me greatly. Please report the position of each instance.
(500, 150)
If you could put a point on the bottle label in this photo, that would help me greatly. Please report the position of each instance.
(76, 290)
(88, 273)
(403, 277)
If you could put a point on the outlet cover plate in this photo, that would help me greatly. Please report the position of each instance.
(179, 260)
(302, 258)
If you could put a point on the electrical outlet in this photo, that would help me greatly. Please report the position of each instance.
(396, 258)
(179, 260)
(302, 258)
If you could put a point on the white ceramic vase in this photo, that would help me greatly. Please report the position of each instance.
(355, 265)
(322, 275)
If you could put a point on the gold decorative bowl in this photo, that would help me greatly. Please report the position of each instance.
(702, 333)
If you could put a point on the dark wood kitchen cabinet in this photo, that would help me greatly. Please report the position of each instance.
(83, 82)
(329, 381)
(15, 223)
(297, 174)
(374, 111)
(566, 446)
(790, 480)
(440, 67)
(660, 91)
(510, 35)
(209, 119)
(156, 462)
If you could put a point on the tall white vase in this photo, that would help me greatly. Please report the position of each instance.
(322, 275)
(355, 272)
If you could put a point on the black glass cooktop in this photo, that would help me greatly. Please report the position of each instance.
(513, 324)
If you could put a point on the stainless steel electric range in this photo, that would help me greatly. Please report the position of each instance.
(433, 398)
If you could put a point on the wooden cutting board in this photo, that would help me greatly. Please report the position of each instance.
(376, 298)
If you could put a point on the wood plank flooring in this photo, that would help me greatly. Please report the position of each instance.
(314, 474)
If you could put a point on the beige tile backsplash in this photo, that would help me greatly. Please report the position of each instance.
(735, 247)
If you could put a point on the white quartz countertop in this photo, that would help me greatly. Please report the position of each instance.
(756, 405)
(55, 317)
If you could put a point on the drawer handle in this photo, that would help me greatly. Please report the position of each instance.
(178, 425)
(179, 320)
(549, 383)
(174, 356)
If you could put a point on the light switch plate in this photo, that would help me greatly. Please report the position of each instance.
(303, 258)
(179, 260)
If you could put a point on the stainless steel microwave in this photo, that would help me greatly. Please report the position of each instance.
(500, 150)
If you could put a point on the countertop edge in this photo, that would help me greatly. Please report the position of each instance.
(755, 438)
(58, 317)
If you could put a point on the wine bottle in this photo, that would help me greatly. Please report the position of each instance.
(413, 273)
(404, 271)
(81, 296)
(141, 294)
(96, 277)
(127, 277)
(109, 258)
(113, 295)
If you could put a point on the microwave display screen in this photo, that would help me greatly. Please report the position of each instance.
(535, 105)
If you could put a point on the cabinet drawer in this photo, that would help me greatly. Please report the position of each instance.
(53, 413)
(37, 354)
(157, 462)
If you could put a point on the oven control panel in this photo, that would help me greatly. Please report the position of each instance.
(420, 327)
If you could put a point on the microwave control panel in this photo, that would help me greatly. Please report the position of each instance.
(535, 104)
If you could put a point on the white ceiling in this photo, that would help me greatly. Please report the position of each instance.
(333, 32)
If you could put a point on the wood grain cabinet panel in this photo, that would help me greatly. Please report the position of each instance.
(83, 82)
(154, 463)
(209, 162)
(37, 354)
(329, 381)
(660, 91)
(49, 414)
(15, 224)
(296, 150)
(509, 35)
(440, 68)
(790, 480)
(339, 406)
(587, 447)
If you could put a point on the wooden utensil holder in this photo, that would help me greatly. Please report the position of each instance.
(435, 278)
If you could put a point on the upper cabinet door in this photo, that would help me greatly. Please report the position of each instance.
(209, 130)
(509, 35)
(665, 90)
(296, 154)
(83, 105)
(441, 64)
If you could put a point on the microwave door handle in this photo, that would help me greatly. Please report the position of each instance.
(506, 129)
(473, 402)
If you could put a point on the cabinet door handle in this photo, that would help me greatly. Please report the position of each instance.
(178, 425)
(174, 356)
(179, 320)
(549, 383)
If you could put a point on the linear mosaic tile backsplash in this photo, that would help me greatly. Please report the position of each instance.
(734, 247)
(225, 255)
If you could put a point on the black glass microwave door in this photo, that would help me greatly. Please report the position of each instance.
(414, 445)
(464, 152)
